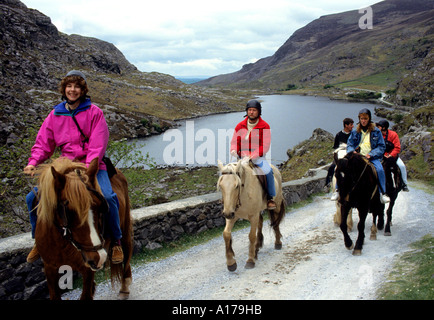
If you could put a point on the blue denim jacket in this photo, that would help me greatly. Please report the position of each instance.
(378, 147)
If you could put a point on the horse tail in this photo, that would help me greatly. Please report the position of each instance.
(122, 271)
(276, 216)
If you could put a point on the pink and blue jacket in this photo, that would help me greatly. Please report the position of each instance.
(59, 130)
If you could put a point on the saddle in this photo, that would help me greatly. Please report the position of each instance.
(260, 175)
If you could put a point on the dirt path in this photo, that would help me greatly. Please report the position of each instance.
(313, 263)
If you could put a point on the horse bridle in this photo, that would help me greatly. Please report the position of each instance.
(238, 187)
(65, 229)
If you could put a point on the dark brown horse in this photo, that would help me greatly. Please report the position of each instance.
(69, 229)
(357, 181)
(393, 187)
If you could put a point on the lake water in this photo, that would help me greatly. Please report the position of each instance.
(292, 119)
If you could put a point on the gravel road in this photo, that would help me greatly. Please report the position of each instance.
(313, 263)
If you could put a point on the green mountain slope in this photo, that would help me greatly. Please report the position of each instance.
(334, 50)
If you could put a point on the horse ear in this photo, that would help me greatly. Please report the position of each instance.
(59, 179)
(93, 168)
(239, 166)
(335, 157)
(220, 165)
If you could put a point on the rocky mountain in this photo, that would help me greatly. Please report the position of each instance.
(34, 57)
(334, 50)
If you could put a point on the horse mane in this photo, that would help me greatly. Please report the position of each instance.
(340, 152)
(342, 146)
(74, 191)
(230, 168)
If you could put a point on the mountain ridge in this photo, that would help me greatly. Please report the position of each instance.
(35, 56)
(333, 49)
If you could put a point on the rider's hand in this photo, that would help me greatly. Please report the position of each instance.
(245, 159)
(233, 153)
(29, 170)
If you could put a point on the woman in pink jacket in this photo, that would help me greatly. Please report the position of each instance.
(78, 128)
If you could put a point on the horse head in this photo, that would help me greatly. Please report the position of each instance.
(76, 207)
(340, 152)
(354, 174)
(229, 183)
(343, 176)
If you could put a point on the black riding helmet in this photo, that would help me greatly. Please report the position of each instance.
(254, 104)
(383, 123)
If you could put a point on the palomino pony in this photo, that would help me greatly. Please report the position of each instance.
(339, 153)
(357, 181)
(244, 198)
(70, 225)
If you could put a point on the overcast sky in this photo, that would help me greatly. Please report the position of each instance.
(190, 37)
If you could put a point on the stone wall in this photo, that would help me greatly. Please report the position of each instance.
(152, 226)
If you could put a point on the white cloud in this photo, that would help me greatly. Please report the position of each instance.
(190, 37)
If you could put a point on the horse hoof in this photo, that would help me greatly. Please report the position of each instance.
(373, 237)
(249, 265)
(387, 234)
(123, 295)
(278, 246)
(350, 247)
(233, 267)
(357, 252)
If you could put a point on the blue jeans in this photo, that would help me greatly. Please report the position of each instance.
(109, 195)
(380, 173)
(266, 168)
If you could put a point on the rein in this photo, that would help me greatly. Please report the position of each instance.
(360, 177)
(65, 229)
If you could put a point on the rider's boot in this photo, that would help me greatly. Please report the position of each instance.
(384, 198)
(117, 253)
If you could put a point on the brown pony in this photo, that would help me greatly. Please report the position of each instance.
(69, 229)
(244, 198)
